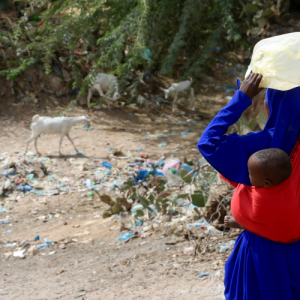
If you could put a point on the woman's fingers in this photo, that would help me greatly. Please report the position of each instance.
(250, 86)
(258, 80)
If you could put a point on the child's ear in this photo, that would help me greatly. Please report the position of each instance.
(268, 183)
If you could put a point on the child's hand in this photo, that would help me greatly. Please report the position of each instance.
(250, 85)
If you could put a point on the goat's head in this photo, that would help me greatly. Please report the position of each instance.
(116, 96)
(167, 92)
(86, 121)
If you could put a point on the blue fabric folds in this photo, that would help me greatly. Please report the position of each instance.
(260, 269)
(229, 154)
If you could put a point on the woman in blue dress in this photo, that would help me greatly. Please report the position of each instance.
(258, 268)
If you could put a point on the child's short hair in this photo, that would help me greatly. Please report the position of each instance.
(275, 163)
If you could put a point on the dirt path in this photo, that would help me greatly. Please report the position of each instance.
(93, 265)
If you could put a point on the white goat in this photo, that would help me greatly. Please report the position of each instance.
(104, 83)
(59, 125)
(175, 88)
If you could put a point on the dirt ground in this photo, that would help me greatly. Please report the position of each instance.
(86, 261)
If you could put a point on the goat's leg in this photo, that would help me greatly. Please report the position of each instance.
(61, 138)
(108, 105)
(89, 98)
(68, 136)
(175, 102)
(193, 98)
(35, 145)
(28, 142)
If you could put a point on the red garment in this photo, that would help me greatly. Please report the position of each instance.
(273, 213)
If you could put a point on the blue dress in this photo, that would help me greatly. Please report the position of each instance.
(258, 268)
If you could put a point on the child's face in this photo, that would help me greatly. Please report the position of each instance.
(256, 175)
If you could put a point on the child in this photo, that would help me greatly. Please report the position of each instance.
(267, 168)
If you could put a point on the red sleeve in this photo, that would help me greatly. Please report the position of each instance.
(233, 184)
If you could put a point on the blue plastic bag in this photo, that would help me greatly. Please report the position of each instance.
(107, 165)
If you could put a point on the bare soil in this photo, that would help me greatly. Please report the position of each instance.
(93, 265)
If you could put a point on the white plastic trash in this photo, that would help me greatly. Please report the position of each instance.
(277, 59)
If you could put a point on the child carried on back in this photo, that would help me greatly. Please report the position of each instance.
(271, 207)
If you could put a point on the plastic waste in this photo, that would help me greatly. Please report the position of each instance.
(89, 184)
(125, 236)
(225, 247)
(183, 133)
(188, 168)
(202, 162)
(188, 250)
(212, 231)
(173, 164)
(4, 221)
(204, 274)
(37, 238)
(142, 174)
(107, 165)
(191, 225)
(136, 208)
(19, 253)
(161, 135)
(139, 149)
(164, 144)
(2, 210)
(46, 244)
(139, 223)
(173, 177)
(27, 188)
(7, 231)
(79, 153)
(277, 59)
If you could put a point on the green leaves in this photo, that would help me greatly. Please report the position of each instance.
(267, 12)
(262, 22)
(199, 199)
(251, 8)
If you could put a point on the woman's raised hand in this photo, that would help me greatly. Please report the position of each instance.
(250, 85)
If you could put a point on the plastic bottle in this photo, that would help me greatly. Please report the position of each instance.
(190, 225)
(89, 184)
(4, 221)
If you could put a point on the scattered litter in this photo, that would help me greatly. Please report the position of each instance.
(204, 274)
(188, 250)
(107, 165)
(46, 244)
(226, 247)
(60, 271)
(164, 144)
(19, 254)
(7, 231)
(125, 237)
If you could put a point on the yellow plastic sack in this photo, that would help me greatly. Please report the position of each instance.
(277, 59)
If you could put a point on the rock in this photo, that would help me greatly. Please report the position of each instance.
(62, 246)
(56, 84)
(66, 75)
(32, 251)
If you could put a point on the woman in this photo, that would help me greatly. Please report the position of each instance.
(258, 268)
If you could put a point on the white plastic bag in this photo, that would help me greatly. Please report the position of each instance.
(277, 59)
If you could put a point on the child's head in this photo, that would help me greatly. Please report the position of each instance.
(269, 167)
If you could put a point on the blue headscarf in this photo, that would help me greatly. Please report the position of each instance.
(229, 154)
(284, 119)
